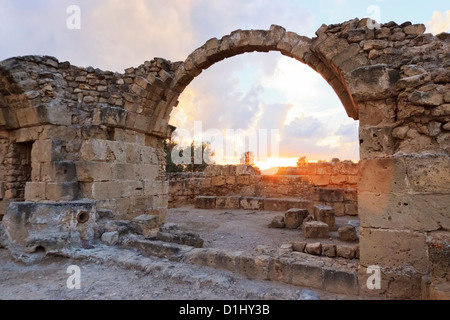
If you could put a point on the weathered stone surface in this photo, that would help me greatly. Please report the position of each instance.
(329, 250)
(346, 252)
(420, 212)
(347, 233)
(307, 274)
(277, 222)
(293, 218)
(393, 248)
(146, 224)
(373, 82)
(204, 202)
(298, 246)
(341, 281)
(52, 226)
(314, 248)
(315, 229)
(110, 238)
(325, 214)
(180, 237)
(251, 203)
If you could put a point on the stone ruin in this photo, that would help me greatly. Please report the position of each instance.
(81, 146)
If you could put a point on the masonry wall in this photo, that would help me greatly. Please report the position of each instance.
(333, 184)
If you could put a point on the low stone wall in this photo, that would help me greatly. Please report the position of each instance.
(333, 184)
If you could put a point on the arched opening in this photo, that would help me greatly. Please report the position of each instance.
(243, 200)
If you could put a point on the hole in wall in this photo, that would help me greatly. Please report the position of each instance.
(40, 249)
(83, 217)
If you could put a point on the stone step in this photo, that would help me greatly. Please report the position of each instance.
(285, 266)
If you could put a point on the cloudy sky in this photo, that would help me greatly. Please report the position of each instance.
(243, 94)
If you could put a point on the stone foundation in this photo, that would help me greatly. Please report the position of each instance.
(280, 192)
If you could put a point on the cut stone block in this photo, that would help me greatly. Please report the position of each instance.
(203, 202)
(294, 218)
(329, 250)
(346, 252)
(277, 223)
(231, 202)
(315, 229)
(325, 214)
(110, 238)
(274, 204)
(347, 233)
(314, 248)
(298, 246)
(180, 237)
(146, 224)
(251, 203)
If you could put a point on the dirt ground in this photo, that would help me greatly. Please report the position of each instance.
(241, 230)
(164, 280)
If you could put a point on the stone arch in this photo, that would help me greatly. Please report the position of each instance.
(275, 39)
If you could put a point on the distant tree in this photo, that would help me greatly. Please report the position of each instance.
(170, 165)
(248, 158)
(302, 161)
(206, 155)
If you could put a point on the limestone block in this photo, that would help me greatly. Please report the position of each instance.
(106, 190)
(252, 203)
(320, 180)
(43, 151)
(275, 204)
(280, 269)
(340, 281)
(35, 191)
(426, 98)
(61, 171)
(298, 203)
(351, 209)
(294, 218)
(314, 248)
(180, 237)
(146, 224)
(439, 255)
(315, 229)
(53, 226)
(243, 180)
(218, 181)
(329, 250)
(421, 212)
(307, 274)
(372, 82)
(429, 173)
(376, 142)
(346, 252)
(347, 233)
(325, 214)
(245, 170)
(230, 202)
(89, 171)
(277, 223)
(61, 191)
(331, 195)
(204, 202)
(254, 267)
(298, 246)
(110, 238)
(393, 248)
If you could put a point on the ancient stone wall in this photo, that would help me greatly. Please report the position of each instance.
(333, 184)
